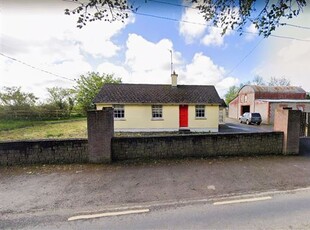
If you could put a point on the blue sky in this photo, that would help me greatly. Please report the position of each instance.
(38, 33)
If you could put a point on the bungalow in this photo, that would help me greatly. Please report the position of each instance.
(149, 107)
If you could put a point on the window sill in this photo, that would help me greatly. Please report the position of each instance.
(157, 119)
(200, 118)
(119, 119)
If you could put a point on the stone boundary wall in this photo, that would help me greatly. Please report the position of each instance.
(43, 152)
(193, 145)
(155, 147)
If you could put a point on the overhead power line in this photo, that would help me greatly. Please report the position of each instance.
(205, 24)
(245, 57)
(172, 4)
(297, 26)
(36, 68)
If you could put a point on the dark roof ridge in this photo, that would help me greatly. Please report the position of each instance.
(152, 84)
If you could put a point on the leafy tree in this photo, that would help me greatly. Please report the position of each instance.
(279, 81)
(308, 95)
(232, 14)
(14, 97)
(88, 86)
(232, 93)
(61, 98)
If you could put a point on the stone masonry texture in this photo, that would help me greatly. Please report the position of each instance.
(156, 147)
(43, 152)
(208, 145)
(100, 126)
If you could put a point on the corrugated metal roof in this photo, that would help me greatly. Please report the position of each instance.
(277, 89)
(285, 100)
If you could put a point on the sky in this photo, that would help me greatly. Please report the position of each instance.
(41, 47)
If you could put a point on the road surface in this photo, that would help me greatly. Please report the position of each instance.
(283, 210)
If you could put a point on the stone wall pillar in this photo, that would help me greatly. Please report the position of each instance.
(100, 127)
(288, 121)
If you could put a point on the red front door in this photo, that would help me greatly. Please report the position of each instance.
(183, 116)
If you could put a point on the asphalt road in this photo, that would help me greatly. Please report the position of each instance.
(285, 210)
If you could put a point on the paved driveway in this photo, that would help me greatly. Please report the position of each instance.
(233, 125)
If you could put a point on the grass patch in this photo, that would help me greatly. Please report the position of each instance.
(27, 130)
(16, 124)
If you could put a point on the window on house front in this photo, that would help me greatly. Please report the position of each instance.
(119, 111)
(245, 98)
(157, 111)
(200, 111)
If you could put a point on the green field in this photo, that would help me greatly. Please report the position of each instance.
(26, 130)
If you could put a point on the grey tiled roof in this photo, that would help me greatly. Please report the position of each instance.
(161, 94)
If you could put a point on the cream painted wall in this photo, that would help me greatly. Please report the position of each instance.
(139, 118)
(210, 121)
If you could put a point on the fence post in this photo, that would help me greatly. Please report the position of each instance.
(100, 127)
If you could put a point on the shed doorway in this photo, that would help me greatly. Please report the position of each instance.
(245, 109)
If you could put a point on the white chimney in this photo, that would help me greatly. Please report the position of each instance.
(174, 79)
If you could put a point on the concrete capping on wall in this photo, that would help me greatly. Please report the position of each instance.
(43, 152)
(197, 145)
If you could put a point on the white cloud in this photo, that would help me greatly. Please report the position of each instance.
(199, 28)
(95, 38)
(149, 62)
(288, 58)
(110, 68)
(223, 85)
(214, 37)
(39, 34)
(194, 30)
(290, 61)
(251, 32)
(202, 70)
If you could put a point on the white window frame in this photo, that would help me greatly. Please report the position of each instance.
(119, 112)
(200, 111)
(157, 112)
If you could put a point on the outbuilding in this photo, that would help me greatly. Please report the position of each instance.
(266, 99)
